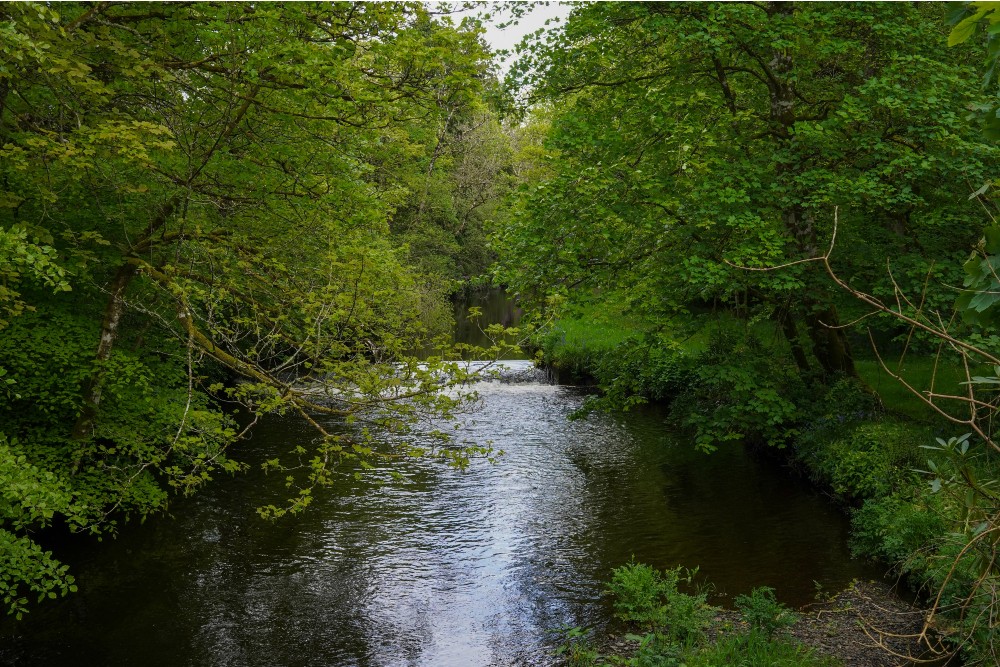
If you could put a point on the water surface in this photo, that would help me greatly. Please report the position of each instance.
(449, 568)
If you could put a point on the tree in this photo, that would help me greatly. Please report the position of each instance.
(462, 193)
(692, 137)
(195, 204)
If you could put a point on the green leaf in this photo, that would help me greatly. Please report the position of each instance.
(965, 28)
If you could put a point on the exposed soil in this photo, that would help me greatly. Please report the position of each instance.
(866, 625)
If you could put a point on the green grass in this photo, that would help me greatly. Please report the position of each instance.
(591, 330)
(596, 327)
(755, 650)
(918, 372)
(577, 343)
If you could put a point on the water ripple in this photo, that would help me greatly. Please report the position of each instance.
(450, 568)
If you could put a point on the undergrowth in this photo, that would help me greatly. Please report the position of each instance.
(869, 442)
(669, 627)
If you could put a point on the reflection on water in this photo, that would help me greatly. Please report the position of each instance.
(448, 568)
(496, 307)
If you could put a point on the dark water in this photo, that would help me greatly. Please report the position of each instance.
(448, 569)
(496, 308)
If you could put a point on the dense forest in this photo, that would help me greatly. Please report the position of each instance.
(777, 218)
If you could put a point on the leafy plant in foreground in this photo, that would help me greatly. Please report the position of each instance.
(576, 648)
(650, 598)
(754, 649)
(762, 611)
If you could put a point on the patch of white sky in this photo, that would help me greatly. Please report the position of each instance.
(537, 15)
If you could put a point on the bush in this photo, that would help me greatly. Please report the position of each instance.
(637, 372)
(898, 529)
(762, 611)
(649, 597)
(861, 460)
(846, 401)
(741, 391)
(939, 534)
(875, 459)
(675, 622)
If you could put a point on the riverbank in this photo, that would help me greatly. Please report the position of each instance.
(862, 448)
(865, 625)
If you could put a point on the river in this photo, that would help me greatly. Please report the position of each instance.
(450, 568)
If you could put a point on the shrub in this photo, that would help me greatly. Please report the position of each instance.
(898, 529)
(863, 460)
(741, 391)
(651, 369)
(675, 622)
(649, 597)
(762, 611)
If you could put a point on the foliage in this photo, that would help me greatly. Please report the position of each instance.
(593, 341)
(576, 648)
(630, 369)
(763, 613)
(944, 533)
(649, 597)
(966, 18)
(27, 570)
(24, 259)
(863, 460)
(639, 370)
(726, 366)
(577, 347)
(938, 535)
(689, 140)
(675, 624)
(922, 274)
(904, 529)
(197, 207)
(978, 301)
(463, 191)
(740, 392)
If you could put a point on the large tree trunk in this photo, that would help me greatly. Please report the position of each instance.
(829, 342)
(830, 345)
(784, 317)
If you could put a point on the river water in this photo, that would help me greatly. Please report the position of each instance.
(450, 568)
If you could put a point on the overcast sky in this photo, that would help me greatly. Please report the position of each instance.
(540, 12)
(509, 37)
